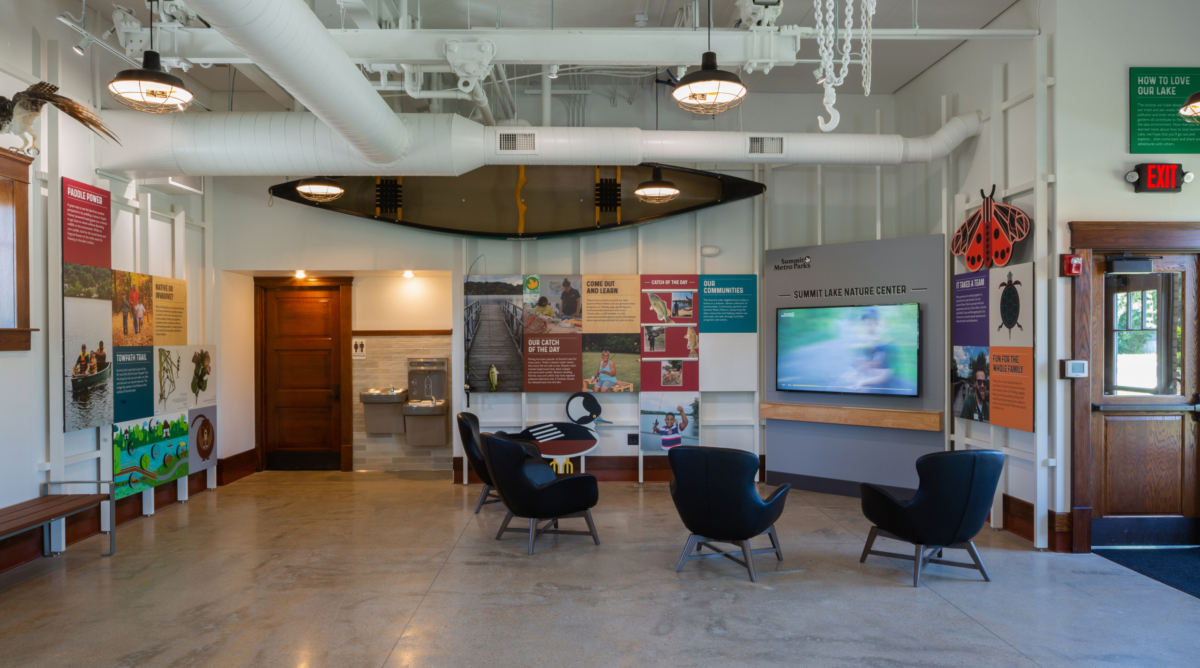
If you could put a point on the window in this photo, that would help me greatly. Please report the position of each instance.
(1143, 354)
(14, 252)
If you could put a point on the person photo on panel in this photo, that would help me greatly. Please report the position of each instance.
(672, 373)
(126, 310)
(672, 432)
(570, 300)
(873, 366)
(975, 406)
(82, 362)
(605, 377)
(543, 307)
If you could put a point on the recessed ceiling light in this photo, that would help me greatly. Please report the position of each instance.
(300, 274)
(408, 273)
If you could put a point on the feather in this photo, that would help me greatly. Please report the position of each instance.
(40, 94)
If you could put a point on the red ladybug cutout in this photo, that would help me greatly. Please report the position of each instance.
(988, 236)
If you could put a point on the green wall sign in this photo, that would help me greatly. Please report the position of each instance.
(1155, 96)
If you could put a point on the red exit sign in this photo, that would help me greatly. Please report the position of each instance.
(1158, 177)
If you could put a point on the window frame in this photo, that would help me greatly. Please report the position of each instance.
(14, 174)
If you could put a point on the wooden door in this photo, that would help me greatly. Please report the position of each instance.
(1143, 426)
(304, 376)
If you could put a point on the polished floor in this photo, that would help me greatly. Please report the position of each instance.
(383, 570)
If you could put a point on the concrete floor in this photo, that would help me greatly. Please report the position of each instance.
(384, 570)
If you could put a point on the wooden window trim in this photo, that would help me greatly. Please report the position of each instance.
(15, 168)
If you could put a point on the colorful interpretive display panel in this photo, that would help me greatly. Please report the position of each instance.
(170, 311)
(202, 439)
(149, 452)
(992, 371)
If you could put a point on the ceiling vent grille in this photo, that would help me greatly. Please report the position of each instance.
(766, 146)
(518, 142)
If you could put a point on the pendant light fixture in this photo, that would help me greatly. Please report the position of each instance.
(657, 190)
(709, 91)
(1190, 111)
(150, 89)
(320, 189)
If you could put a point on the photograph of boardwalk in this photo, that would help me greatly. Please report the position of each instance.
(493, 331)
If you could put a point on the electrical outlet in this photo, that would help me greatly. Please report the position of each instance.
(631, 439)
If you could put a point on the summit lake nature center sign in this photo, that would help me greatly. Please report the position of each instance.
(1155, 96)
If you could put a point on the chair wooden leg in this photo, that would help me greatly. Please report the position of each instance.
(775, 542)
(918, 558)
(748, 555)
(591, 525)
(687, 550)
(532, 533)
(504, 524)
(870, 542)
(482, 498)
(978, 562)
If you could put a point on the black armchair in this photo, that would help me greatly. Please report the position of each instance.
(714, 492)
(530, 489)
(949, 508)
(468, 429)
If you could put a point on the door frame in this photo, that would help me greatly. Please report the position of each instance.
(344, 284)
(1088, 239)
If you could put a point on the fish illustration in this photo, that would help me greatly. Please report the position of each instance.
(493, 377)
(693, 342)
(660, 308)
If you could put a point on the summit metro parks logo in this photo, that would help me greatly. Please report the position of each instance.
(794, 263)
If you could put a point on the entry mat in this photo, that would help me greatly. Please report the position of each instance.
(1178, 567)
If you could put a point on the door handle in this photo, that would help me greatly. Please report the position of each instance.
(1145, 408)
(337, 393)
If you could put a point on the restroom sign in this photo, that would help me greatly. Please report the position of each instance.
(358, 348)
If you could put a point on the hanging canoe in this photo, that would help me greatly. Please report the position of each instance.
(526, 202)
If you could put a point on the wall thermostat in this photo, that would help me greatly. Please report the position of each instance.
(1073, 368)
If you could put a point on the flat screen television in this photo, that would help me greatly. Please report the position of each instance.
(849, 349)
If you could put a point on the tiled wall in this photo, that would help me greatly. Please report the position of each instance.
(387, 364)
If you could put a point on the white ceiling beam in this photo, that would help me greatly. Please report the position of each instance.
(360, 13)
(643, 46)
(266, 83)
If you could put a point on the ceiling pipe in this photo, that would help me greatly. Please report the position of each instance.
(290, 44)
(281, 143)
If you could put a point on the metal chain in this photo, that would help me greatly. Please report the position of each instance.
(868, 11)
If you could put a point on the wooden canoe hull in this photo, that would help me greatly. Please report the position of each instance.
(526, 202)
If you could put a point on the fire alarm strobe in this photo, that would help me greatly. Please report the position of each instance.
(1156, 177)
(1072, 265)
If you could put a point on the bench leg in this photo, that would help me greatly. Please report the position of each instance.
(46, 540)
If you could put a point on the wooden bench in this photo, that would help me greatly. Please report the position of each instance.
(621, 386)
(50, 507)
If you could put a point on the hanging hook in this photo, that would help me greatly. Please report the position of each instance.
(834, 115)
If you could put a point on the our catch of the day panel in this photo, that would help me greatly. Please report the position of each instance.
(665, 336)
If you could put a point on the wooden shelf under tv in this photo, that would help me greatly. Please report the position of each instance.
(863, 417)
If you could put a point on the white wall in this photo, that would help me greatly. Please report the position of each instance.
(395, 302)
(965, 78)
(34, 46)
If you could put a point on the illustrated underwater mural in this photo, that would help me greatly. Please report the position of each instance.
(148, 453)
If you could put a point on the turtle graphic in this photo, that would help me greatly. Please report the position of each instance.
(1010, 305)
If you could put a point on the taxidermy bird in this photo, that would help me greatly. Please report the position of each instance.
(18, 116)
(493, 377)
(563, 440)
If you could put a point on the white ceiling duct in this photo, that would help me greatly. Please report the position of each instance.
(288, 42)
(282, 143)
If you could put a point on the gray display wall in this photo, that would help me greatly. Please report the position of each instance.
(835, 458)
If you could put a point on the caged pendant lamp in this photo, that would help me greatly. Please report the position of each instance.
(657, 190)
(320, 189)
(709, 91)
(149, 89)
(1190, 111)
